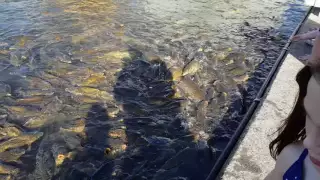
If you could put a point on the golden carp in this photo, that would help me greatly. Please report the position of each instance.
(117, 133)
(115, 56)
(5, 177)
(11, 155)
(238, 72)
(60, 158)
(30, 100)
(94, 79)
(176, 73)
(22, 41)
(220, 87)
(191, 89)
(112, 112)
(90, 92)
(36, 122)
(77, 126)
(7, 169)
(191, 68)
(18, 141)
(242, 78)
(38, 83)
(7, 132)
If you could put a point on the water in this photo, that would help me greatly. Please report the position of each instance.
(139, 89)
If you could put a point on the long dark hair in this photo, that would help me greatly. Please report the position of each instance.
(293, 128)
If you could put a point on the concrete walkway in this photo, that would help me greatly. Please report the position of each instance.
(251, 159)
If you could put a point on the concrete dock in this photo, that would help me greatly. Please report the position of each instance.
(251, 159)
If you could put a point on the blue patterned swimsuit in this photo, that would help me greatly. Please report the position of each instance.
(295, 172)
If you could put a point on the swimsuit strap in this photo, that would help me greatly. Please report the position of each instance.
(295, 172)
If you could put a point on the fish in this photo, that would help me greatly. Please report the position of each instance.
(8, 132)
(14, 60)
(16, 109)
(238, 71)
(229, 80)
(117, 133)
(202, 111)
(191, 68)
(210, 93)
(116, 56)
(18, 141)
(222, 98)
(36, 122)
(71, 139)
(54, 80)
(58, 38)
(11, 155)
(60, 158)
(220, 56)
(191, 89)
(158, 141)
(94, 79)
(151, 57)
(6, 177)
(220, 86)
(22, 41)
(114, 151)
(30, 100)
(34, 92)
(8, 169)
(112, 112)
(78, 39)
(90, 92)
(179, 93)
(77, 126)
(60, 154)
(63, 58)
(3, 44)
(214, 105)
(176, 73)
(4, 52)
(54, 106)
(86, 100)
(241, 78)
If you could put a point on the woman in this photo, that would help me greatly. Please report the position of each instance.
(297, 147)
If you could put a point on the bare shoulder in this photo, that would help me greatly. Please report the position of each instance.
(285, 159)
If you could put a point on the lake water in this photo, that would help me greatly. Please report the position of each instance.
(130, 89)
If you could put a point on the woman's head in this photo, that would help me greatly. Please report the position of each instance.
(293, 128)
(304, 121)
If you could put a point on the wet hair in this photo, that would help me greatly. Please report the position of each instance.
(293, 128)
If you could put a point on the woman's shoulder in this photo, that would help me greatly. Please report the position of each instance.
(288, 156)
(292, 150)
(285, 159)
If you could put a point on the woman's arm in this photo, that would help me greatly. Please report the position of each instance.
(315, 55)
